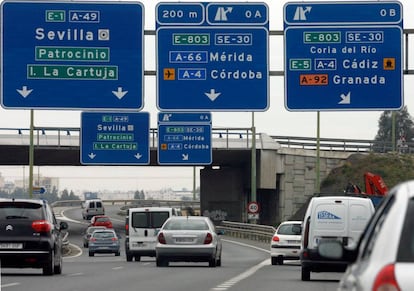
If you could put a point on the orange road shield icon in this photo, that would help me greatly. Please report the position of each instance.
(169, 74)
(388, 64)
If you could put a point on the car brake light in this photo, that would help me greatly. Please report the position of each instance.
(92, 239)
(208, 239)
(385, 280)
(114, 239)
(306, 234)
(161, 238)
(41, 226)
(127, 229)
(275, 238)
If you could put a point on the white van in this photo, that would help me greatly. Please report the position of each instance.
(340, 218)
(92, 207)
(141, 227)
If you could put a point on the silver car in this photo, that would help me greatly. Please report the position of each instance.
(384, 259)
(188, 239)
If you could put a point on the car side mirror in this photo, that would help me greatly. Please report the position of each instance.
(63, 225)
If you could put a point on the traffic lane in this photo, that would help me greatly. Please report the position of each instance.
(114, 273)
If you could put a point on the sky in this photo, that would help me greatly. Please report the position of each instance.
(277, 120)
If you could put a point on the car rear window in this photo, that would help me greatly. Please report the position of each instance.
(103, 234)
(21, 210)
(183, 224)
(153, 219)
(289, 229)
(406, 246)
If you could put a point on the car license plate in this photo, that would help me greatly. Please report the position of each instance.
(183, 239)
(11, 245)
(139, 245)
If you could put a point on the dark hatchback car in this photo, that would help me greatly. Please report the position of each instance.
(30, 236)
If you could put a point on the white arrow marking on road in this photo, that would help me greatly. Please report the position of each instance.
(212, 95)
(185, 157)
(346, 99)
(138, 156)
(119, 94)
(24, 92)
(92, 155)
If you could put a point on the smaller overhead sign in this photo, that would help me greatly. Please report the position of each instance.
(39, 190)
(115, 138)
(184, 138)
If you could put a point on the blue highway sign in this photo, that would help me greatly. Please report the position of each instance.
(72, 55)
(184, 138)
(115, 138)
(212, 56)
(343, 56)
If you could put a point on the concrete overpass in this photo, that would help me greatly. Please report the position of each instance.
(285, 177)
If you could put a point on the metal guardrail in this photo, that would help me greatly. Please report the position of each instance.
(257, 232)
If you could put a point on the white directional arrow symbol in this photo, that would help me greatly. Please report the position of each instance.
(92, 156)
(185, 157)
(24, 92)
(119, 93)
(138, 156)
(212, 95)
(346, 99)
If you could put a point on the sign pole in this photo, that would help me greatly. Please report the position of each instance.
(31, 155)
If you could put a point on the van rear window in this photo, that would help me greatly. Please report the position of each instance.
(153, 219)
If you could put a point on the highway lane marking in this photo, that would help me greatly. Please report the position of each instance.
(229, 283)
(75, 274)
(9, 285)
(117, 268)
(240, 277)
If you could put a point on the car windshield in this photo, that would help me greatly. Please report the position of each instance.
(186, 224)
(21, 210)
(406, 247)
(289, 229)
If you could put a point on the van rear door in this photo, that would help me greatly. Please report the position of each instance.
(146, 224)
(330, 221)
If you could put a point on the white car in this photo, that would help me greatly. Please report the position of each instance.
(384, 258)
(285, 243)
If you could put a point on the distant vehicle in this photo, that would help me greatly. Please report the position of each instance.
(384, 258)
(188, 239)
(30, 236)
(101, 220)
(285, 243)
(88, 232)
(141, 227)
(104, 241)
(92, 208)
(341, 218)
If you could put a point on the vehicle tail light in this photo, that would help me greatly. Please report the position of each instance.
(114, 239)
(161, 238)
(126, 229)
(208, 239)
(41, 226)
(275, 238)
(385, 280)
(306, 234)
(92, 239)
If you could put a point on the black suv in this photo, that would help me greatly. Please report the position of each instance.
(30, 236)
